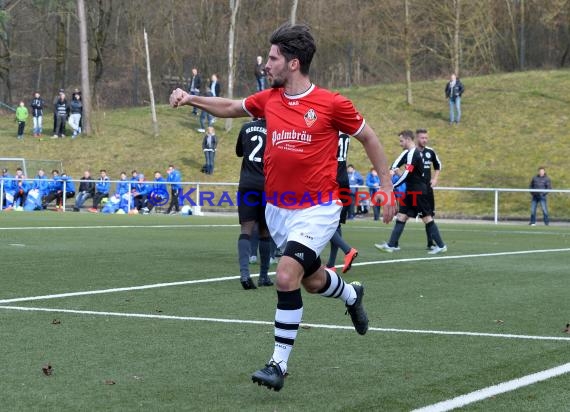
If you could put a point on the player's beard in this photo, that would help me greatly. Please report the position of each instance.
(277, 83)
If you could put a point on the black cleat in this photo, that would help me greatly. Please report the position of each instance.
(270, 376)
(264, 282)
(356, 310)
(248, 284)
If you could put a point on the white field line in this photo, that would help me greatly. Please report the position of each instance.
(124, 289)
(113, 227)
(270, 323)
(220, 279)
(494, 390)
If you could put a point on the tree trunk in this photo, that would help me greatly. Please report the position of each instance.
(522, 48)
(407, 52)
(234, 7)
(150, 90)
(294, 11)
(457, 5)
(60, 52)
(84, 63)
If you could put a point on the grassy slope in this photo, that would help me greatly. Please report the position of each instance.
(511, 124)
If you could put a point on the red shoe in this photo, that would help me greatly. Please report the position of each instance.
(348, 259)
(93, 210)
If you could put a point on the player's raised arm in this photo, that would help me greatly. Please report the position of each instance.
(217, 106)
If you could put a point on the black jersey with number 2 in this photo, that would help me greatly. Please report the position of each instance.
(251, 146)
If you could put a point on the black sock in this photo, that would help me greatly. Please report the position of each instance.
(433, 231)
(430, 241)
(244, 251)
(396, 233)
(264, 253)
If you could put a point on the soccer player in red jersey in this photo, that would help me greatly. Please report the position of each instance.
(300, 167)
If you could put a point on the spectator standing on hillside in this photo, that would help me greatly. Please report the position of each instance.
(303, 121)
(540, 181)
(430, 158)
(209, 145)
(61, 111)
(21, 117)
(259, 74)
(76, 111)
(453, 91)
(37, 106)
(214, 89)
(195, 86)
(174, 177)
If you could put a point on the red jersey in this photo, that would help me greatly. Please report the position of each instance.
(300, 162)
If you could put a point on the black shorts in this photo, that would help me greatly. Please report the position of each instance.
(414, 206)
(251, 207)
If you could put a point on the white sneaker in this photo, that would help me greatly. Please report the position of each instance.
(200, 130)
(385, 248)
(437, 250)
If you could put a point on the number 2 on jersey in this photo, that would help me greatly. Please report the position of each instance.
(252, 156)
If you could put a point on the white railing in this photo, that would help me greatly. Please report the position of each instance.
(196, 191)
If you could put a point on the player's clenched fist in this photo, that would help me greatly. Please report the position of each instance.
(178, 98)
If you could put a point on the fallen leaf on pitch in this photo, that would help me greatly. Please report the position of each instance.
(109, 382)
(499, 321)
(567, 328)
(305, 327)
(56, 322)
(47, 370)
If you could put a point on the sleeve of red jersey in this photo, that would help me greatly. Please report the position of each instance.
(345, 116)
(254, 105)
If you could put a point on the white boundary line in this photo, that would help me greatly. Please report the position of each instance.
(220, 279)
(123, 289)
(113, 227)
(498, 389)
(259, 322)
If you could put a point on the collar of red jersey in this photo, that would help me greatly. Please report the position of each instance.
(300, 95)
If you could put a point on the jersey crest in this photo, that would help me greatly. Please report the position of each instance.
(310, 117)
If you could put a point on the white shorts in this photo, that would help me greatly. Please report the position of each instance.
(312, 227)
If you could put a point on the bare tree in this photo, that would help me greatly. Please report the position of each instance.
(407, 52)
(293, 17)
(84, 59)
(522, 39)
(234, 7)
(150, 89)
(456, 31)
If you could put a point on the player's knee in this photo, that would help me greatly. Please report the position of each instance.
(305, 256)
(402, 217)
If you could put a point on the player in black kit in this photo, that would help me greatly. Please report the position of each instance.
(416, 201)
(430, 158)
(250, 146)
